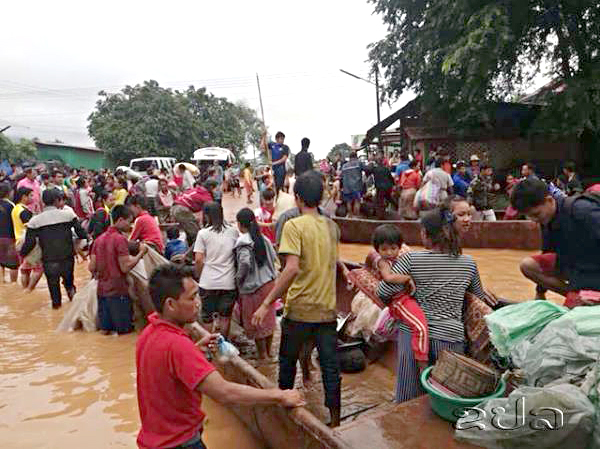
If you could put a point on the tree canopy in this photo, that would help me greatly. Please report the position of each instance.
(459, 55)
(16, 151)
(342, 148)
(149, 120)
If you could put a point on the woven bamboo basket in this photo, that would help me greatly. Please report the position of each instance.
(464, 376)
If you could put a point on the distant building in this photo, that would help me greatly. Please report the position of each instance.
(502, 139)
(73, 155)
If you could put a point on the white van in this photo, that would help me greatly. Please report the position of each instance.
(141, 165)
(204, 157)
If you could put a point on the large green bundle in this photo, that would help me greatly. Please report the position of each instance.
(512, 324)
(585, 318)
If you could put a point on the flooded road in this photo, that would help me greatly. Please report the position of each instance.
(74, 390)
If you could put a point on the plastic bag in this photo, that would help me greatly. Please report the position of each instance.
(35, 255)
(556, 417)
(586, 319)
(558, 354)
(385, 327)
(83, 311)
(512, 324)
(225, 350)
(427, 197)
(591, 387)
(366, 313)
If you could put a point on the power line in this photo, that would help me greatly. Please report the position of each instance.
(215, 83)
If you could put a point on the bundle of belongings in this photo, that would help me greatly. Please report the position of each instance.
(374, 321)
(84, 311)
(558, 404)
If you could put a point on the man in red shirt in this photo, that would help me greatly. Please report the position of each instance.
(145, 227)
(172, 372)
(190, 202)
(109, 264)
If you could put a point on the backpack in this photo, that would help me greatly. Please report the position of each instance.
(594, 197)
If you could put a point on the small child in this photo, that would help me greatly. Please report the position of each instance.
(264, 214)
(175, 247)
(388, 244)
(100, 219)
(218, 191)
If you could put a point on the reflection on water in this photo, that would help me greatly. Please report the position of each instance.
(77, 389)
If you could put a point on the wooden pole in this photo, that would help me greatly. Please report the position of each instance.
(262, 113)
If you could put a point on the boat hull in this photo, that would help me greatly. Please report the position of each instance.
(385, 425)
(511, 234)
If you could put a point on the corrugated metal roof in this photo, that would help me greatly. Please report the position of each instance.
(64, 145)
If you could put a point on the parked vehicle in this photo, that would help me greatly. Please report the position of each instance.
(204, 157)
(141, 165)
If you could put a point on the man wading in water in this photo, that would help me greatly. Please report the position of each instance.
(309, 245)
(173, 373)
(571, 240)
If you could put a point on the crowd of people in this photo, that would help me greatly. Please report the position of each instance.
(48, 219)
(404, 186)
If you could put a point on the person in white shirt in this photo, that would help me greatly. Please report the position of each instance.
(215, 265)
(188, 179)
(443, 185)
(151, 189)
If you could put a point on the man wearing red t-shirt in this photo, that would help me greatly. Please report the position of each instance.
(109, 264)
(145, 227)
(172, 372)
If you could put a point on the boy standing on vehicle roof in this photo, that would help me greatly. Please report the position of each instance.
(279, 155)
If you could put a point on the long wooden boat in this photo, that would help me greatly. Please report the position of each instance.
(369, 417)
(509, 234)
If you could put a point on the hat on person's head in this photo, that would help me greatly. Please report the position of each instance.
(474, 158)
(460, 164)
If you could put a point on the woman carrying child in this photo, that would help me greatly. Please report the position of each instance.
(255, 279)
(442, 275)
(388, 244)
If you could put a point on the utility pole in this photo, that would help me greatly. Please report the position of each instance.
(262, 113)
(377, 94)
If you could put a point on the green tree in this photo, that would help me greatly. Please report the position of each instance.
(149, 120)
(342, 148)
(459, 55)
(16, 151)
(222, 123)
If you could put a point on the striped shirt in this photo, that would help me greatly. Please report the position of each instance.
(442, 281)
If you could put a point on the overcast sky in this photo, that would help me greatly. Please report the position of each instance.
(56, 55)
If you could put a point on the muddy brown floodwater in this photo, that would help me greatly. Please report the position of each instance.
(76, 390)
(498, 268)
(73, 390)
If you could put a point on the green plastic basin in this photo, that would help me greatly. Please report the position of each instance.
(450, 408)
